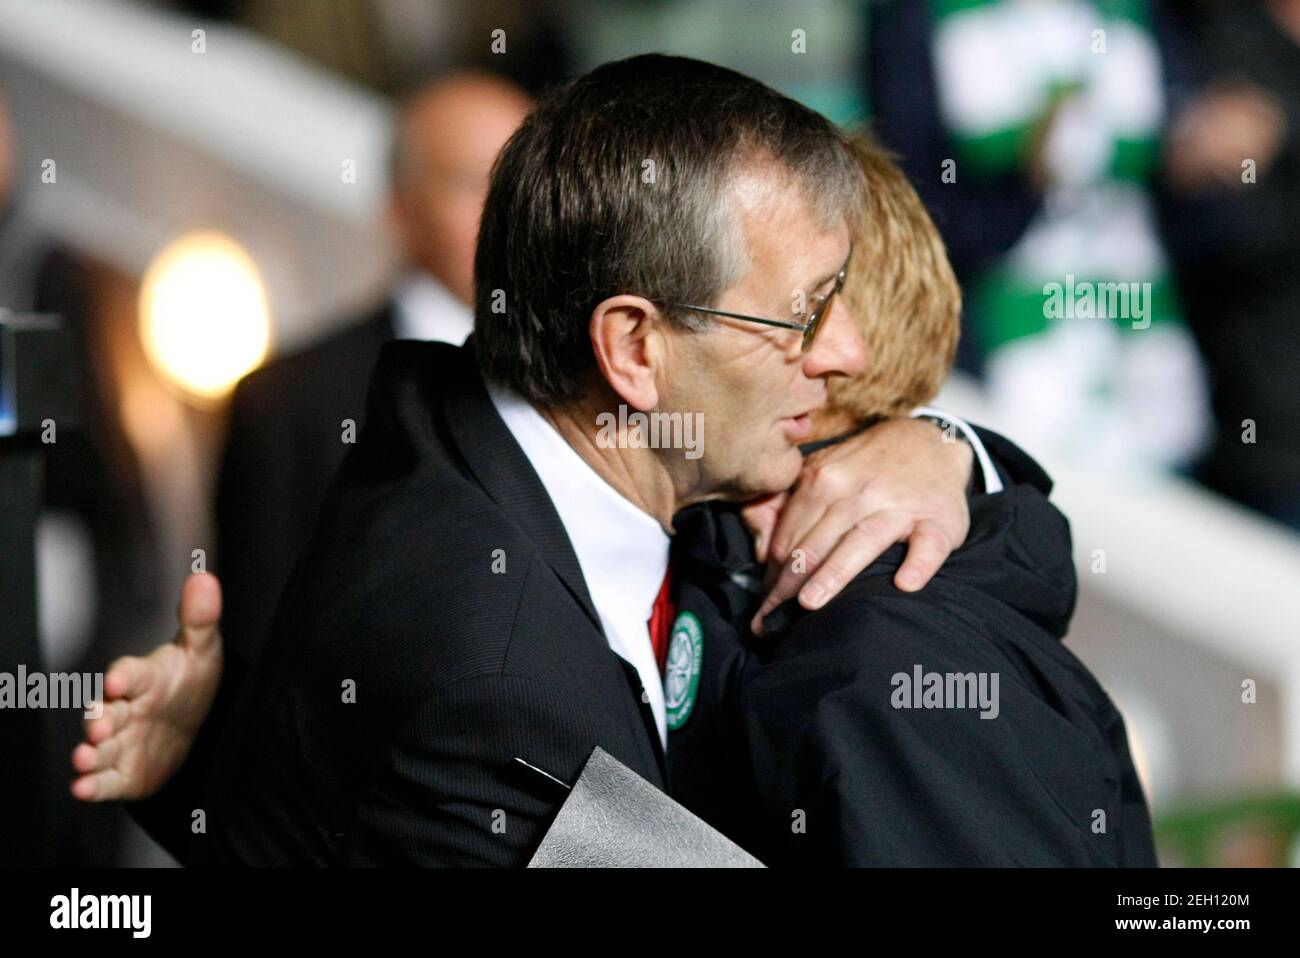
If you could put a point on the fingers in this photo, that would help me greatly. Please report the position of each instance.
(861, 546)
(110, 723)
(801, 512)
(806, 557)
(928, 548)
(760, 517)
(128, 678)
(817, 581)
(101, 780)
(112, 765)
(95, 758)
(86, 788)
(200, 611)
(895, 482)
(105, 786)
(830, 479)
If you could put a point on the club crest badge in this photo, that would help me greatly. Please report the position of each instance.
(682, 671)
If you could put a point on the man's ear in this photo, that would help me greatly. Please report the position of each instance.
(627, 338)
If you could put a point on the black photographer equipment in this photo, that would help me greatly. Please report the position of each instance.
(38, 399)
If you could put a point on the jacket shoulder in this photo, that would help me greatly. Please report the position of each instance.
(339, 364)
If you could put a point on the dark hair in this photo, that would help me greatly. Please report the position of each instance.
(616, 183)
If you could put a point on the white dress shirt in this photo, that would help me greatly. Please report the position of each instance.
(427, 310)
(623, 551)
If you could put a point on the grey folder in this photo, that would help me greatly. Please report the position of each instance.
(614, 818)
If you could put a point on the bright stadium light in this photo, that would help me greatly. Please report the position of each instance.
(203, 314)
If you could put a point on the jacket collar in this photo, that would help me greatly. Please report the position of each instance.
(506, 475)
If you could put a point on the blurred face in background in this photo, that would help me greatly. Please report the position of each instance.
(449, 137)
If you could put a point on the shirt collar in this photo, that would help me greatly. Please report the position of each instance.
(622, 549)
(427, 310)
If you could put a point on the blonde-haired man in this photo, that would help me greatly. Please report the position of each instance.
(942, 727)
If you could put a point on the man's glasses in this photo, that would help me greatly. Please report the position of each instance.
(808, 328)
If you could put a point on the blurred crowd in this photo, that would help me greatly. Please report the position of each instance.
(1117, 181)
(1163, 154)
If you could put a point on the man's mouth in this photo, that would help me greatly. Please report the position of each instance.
(798, 428)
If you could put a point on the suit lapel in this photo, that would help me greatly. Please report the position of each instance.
(509, 479)
(507, 476)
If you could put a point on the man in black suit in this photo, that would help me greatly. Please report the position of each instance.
(291, 421)
(473, 604)
(477, 609)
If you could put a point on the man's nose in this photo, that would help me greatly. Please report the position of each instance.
(839, 348)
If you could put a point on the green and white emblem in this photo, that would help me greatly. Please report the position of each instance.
(682, 674)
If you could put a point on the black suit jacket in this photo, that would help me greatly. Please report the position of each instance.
(168, 815)
(284, 444)
(797, 751)
(404, 674)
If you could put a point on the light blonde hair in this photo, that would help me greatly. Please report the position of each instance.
(902, 291)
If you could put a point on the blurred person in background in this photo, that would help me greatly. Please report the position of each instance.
(288, 422)
(1231, 215)
(1035, 132)
(95, 551)
(385, 44)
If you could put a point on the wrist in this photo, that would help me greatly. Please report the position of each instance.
(984, 476)
(961, 452)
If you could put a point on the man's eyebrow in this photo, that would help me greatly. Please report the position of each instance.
(808, 290)
(831, 275)
(823, 281)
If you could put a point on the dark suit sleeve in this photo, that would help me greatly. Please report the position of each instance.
(878, 785)
(448, 792)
